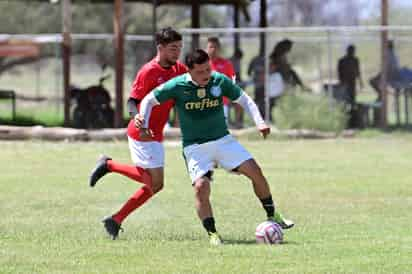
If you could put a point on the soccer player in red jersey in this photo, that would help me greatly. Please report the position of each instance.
(220, 64)
(148, 154)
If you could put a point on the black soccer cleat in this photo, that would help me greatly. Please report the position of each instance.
(100, 170)
(112, 227)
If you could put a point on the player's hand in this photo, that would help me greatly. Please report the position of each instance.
(264, 130)
(145, 134)
(138, 121)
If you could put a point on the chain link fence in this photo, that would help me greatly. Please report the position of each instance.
(314, 57)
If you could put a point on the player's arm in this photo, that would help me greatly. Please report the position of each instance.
(250, 107)
(146, 109)
(141, 120)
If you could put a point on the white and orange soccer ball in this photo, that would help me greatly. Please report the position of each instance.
(269, 232)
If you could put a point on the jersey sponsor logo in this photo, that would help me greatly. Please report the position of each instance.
(205, 103)
(216, 91)
(201, 93)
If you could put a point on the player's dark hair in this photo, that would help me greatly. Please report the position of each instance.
(166, 36)
(198, 56)
(214, 40)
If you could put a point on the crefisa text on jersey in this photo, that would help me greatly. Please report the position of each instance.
(201, 105)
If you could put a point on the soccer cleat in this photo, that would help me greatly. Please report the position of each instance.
(284, 223)
(112, 227)
(214, 239)
(99, 171)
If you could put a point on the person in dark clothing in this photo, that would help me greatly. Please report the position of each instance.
(348, 73)
(236, 61)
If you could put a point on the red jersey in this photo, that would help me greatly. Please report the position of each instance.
(224, 66)
(148, 78)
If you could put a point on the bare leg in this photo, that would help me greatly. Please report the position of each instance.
(157, 175)
(252, 170)
(202, 201)
(204, 209)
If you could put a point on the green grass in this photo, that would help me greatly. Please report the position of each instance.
(43, 118)
(308, 111)
(351, 200)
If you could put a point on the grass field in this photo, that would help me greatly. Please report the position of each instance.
(351, 200)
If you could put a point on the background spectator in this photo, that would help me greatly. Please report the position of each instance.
(278, 57)
(220, 64)
(256, 70)
(276, 88)
(236, 60)
(392, 71)
(348, 73)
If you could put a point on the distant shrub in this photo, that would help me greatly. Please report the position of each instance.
(309, 111)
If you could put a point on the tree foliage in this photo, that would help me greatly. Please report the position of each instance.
(33, 17)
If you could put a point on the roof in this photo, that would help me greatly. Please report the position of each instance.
(243, 4)
(165, 2)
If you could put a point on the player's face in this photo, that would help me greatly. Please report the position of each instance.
(170, 53)
(212, 50)
(201, 73)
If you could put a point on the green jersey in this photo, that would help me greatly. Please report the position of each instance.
(200, 109)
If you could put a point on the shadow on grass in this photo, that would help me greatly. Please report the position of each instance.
(400, 129)
(239, 242)
(22, 120)
(390, 130)
(290, 243)
(253, 242)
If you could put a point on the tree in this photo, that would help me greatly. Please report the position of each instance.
(310, 12)
(35, 17)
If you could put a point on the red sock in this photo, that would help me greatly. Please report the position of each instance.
(133, 172)
(137, 199)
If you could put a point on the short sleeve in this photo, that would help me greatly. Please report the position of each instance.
(165, 91)
(142, 85)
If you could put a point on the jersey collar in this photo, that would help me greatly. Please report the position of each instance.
(190, 80)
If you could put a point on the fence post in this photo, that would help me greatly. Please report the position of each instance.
(266, 87)
(384, 61)
(330, 66)
(66, 52)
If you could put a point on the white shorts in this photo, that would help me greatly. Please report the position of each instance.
(226, 152)
(146, 154)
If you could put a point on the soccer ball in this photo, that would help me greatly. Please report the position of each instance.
(269, 232)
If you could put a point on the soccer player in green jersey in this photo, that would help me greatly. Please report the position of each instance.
(206, 140)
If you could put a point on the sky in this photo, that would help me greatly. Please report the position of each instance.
(372, 7)
(404, 2)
